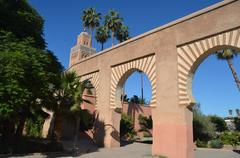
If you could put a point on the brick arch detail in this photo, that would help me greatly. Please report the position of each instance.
(145, 64)
(192, 54)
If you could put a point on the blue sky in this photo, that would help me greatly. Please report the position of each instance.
(213, 84)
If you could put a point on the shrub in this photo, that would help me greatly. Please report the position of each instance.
(34, 126)
(201, 144)
(147, 134)
(216, 143)
(145, 122)
(126, 127)
(203, 128)
(232, 138)
(219, 123)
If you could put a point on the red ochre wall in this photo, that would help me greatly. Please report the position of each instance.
(133, 110)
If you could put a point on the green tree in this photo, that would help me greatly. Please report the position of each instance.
(219, 123)
(65, 101)
(18, 17)
(122, 33)
(228, 55)
(203, 128)
(135, 99)
(126, 126)
(141, 73)
(102, 34)
(113, 22)
(27, 69)
(76, 93)
(25, 75)
(91, 20)
(125, 98)
(60, 101)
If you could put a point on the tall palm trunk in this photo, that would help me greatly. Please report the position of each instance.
(112, 38)
(142, 85)
(123, 93)
(57, 126)
(134, 114)
(75, 149)
(92, 29)
(230, 64)
(20, 127)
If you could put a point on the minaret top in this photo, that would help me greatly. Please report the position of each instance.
(82, 49)
(84, 39)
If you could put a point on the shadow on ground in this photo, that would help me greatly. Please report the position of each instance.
(237, 151)
(85, 145)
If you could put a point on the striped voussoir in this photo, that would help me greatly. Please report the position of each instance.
(192, 54)
(145, 64)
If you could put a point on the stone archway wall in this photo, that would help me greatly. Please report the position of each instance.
(192, 54)
(94, 79)
(145, 64)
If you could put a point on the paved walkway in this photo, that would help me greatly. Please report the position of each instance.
(135, 150)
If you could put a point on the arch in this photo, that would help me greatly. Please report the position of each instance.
(119, 74)
(191, 55)
(94, 79)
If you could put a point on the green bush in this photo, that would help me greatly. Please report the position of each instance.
(34, 126)
(201, 144)
(216, 143)
(145, 122)
(126, 127)
(232, 138)
(219, 123)
(203, 128)
(147, 134)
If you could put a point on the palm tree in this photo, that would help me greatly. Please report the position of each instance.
(75, 109)
(113, 22)
(122, 34)
(102, 34)
(60, 100)
(141, 73)
(228, 55)
(91, 20)
(65, 101)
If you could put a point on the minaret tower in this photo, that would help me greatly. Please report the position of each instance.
(82, 49)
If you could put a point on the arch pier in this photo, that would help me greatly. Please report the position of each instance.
(169, 55)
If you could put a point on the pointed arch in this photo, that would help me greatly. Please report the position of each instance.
(120, 72)
(192, 54)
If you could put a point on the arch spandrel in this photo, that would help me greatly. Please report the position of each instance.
(121, 72)
(191, 55)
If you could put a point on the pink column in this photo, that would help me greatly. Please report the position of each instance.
(173, 139)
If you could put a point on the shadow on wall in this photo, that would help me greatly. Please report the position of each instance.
(135, 110)
(98, 131)
(88, 141)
